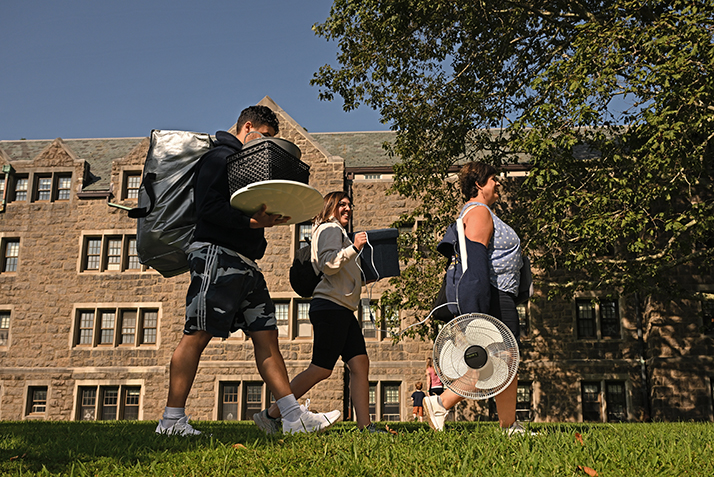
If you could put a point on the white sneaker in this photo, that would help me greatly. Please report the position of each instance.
(266, 423)
(516, 429)
(180, 428)
(435, 413)
(311, 421)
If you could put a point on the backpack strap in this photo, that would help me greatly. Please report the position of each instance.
(462, 236)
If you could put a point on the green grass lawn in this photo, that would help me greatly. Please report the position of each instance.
(132, 448)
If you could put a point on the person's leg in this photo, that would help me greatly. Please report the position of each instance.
(302, 383)
(359, 388)
(450, 399)
(184, 364)
(506, 404)
(269, 360)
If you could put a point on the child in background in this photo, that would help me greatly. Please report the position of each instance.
(418, 398)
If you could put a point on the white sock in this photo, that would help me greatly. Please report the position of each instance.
(289, 407)
(172, 415)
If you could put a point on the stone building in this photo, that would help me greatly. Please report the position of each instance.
(87, 332)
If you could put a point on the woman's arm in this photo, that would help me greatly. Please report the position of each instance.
(478, 225)
(331, 256)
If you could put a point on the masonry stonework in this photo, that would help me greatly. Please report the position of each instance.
(663, 359)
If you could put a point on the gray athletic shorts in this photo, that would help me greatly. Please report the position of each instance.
(226, 294)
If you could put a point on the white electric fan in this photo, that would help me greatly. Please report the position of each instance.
(476, 356)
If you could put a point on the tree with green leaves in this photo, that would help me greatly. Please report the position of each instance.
(610, 103)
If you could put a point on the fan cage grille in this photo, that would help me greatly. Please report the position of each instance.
(476, 329)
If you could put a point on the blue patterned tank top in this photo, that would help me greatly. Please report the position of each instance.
(504, 252)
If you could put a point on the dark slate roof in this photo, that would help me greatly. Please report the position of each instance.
(358, 149)
(99, 153)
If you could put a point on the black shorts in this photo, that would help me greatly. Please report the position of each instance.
(336, 333)
(503, 307)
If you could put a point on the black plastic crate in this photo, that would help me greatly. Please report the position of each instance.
(266, 159)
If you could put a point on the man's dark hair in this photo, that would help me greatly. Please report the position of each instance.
(258, 115)
(474, 175)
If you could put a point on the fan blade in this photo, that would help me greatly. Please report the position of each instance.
(451, 361)
(498, 377)
(482, 333)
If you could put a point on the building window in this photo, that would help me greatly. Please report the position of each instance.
(132, 181)
(390, 322)
(149, 322)
(282, 317)
(87, 404)
(86, 328)
(111, 403)
(113, 253)
(615, 401)
(36, 400)
(47, 187)
(524, 405)
(597, 319)
(64, 187)
(10, 254)
(373, 401)
(252, 399)
(372, 176)
(21, 186)
(304, 231)
(117, 326)
(132, 255)
(304, 327)
(390, 402)
(522, 310)
(43, 188)
(229, 401)
(609, 319)
(367, 321)
(107, 327)
(591, 402)
(4, 327)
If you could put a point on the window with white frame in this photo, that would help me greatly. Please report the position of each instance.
(131, 183)
(252, 398)
(52, 186)
(109, 327)
(304, 234)
(373, 401)
(524, 404)
(108, 403)
(4, 327)
(110, 253)
(20, 189)
(228, 408)
(9, 254)
(597, 319)
(36, 400)
(282, 317)
(390, 402)
(303, 325)
(368, 320)
(591, 401)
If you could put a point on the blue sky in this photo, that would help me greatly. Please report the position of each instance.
(92, 69)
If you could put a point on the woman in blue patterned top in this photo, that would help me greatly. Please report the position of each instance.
(502, 246)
